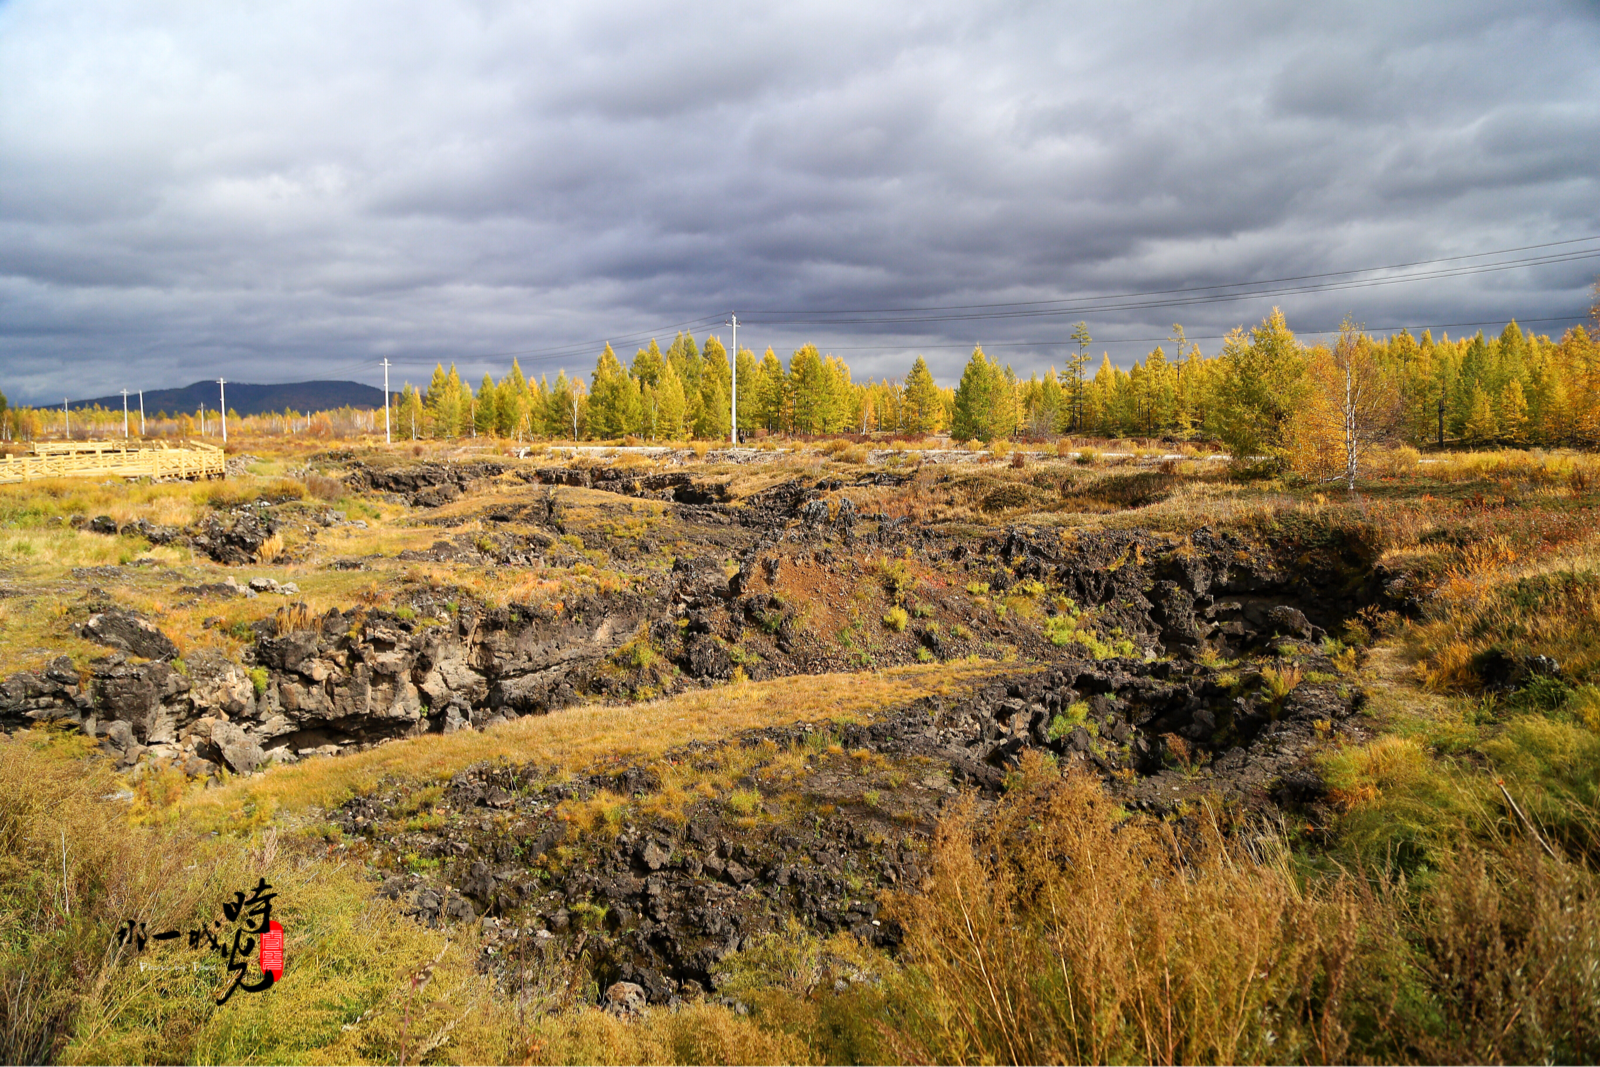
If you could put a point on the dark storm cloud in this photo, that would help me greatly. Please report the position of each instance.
(281, 191)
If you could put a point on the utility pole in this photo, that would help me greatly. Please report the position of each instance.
(222, 391)
(733, 425)
(141, 413)
(202, 418)
(386, 438)
(66, 419)
(124, 414)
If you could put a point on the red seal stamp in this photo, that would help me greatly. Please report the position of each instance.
(272, 950)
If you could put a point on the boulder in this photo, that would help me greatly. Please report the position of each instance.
(141, 695)
(239, 750)
(707, 658)
(217, 682)
(127, 632)
(653, 856)
(1285, 621)
(234, 543)
(480, 883)
(625, 999)
(155, 534)
(119, 741)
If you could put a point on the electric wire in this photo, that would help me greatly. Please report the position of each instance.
(1151, 305)
(1194, 289)
(1098, 341)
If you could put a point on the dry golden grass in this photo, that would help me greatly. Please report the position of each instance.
(31, 503)
(582, 739)
(1053, 932)
(1532, 465)
(1490, 598)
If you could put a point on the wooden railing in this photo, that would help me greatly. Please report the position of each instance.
(99, 459)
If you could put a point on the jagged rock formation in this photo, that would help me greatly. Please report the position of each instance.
(314, 686)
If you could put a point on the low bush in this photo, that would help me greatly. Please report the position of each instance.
(323, 487)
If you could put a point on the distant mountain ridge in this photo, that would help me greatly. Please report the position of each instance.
(247, 399)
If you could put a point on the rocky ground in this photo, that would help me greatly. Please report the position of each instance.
(1177, 664)
(826, 817)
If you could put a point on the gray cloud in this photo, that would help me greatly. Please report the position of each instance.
(290, 190)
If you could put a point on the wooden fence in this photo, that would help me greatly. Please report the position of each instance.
(100, 459)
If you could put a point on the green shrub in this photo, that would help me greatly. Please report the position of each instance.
(895, 576)
(744, 801)
(1060, 629)
(896, 619)
(638, 654)
(1074, 715)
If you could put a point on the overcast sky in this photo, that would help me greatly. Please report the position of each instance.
(277, 191)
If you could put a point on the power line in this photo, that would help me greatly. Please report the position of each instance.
(1194, 336)
(1150, 305)
(1194, 289)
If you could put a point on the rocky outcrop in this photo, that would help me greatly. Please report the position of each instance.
(424, 485)
(316, 687)
(676, 486)
(232, 539)
(128, 632)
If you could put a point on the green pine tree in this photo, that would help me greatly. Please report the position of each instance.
(1262, 378)
(1513, 413)
(711, 423)
(974, 410)
(922, 406)
(648, 364)
(749, 392)
(1076, 365)
(435, 403)
(614, 398)
(808, 380)
(487, 416)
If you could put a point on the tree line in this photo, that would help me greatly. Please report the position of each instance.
(1262, 394)
(1516, 388)
(684, 391)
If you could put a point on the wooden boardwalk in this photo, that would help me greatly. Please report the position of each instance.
(115, 459)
